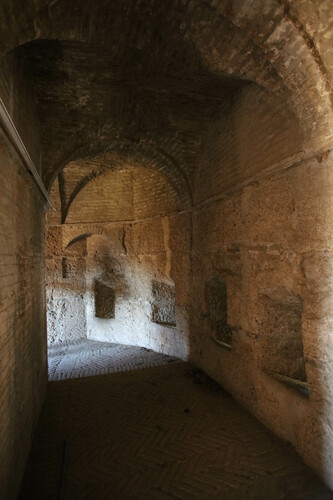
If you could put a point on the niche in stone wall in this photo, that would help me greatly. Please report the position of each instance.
(163, 304)
(282, 344)
(64, 267)
(217, 310)
(105, 300)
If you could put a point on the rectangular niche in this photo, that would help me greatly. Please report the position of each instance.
(105, 298)
(217, 309)
(64, 267)
(163, 305)
(282, 344)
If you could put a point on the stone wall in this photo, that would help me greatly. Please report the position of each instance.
(129, 260)
(22, 303)
(65, 289)
(268, 237)
(124, 276)
(22, 287)
(137, 256)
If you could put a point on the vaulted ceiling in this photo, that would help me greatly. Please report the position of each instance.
(146, 77)
(92, 98)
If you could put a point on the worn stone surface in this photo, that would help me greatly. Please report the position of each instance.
(65, 292)
(282, 324)
(163, 306)
(277, 272)
(129, 258)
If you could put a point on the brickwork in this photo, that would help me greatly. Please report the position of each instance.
(88, 358)
(18, 94)
(22, 326)
(164, 95)
(256, 133)
(158, 433)
(129, 194)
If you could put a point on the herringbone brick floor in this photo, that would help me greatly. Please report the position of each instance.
(86, 358)
(164, 432)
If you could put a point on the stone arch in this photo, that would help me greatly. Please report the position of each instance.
(77, 239)
(152, 154)
(123, 158)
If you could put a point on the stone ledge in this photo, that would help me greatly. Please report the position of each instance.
(298, 385)
(226, 346)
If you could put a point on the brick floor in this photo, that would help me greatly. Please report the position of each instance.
(86, 358)
(158, 432)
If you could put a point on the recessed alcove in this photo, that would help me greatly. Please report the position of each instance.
(217, 310)
(105, 300)
(282, 343)
(64, 267)
(163, 304)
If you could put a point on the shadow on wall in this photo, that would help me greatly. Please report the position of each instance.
(100, 289)
(143, 297)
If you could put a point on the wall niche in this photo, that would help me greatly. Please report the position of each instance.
(217, 310)
(163, 304)
(282, 344)
(64, 267)
(105, 300)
